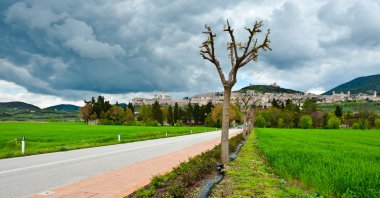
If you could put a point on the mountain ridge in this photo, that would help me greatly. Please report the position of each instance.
(64, 107)
(363, 84)
(18, 105)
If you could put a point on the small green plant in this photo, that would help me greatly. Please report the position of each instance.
(179, 123)
(306, 122)
(377, 123)
(280, 123)
(177, 191)
(144, 193)
(356, 126)
(157, 181)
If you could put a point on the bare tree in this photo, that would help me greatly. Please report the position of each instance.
(250, 117)
(245, 101)
(249, 52)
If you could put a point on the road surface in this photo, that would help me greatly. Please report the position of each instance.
(26, 176)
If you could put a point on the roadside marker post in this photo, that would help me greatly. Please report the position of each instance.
(23, 145)
(191, 131)
(118, 136)
(166, 133)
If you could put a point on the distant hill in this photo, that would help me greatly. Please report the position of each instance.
(122, 105)
(18, 105)
(64, 107)
(366, 84)
(268, 89)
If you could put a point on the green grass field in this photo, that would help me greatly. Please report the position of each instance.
(51, 137)
(332, 163)
(249, 176)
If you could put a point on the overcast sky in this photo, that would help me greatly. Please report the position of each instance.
(54, 52)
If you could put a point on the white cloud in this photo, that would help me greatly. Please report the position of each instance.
(317, 90)
(11, 92)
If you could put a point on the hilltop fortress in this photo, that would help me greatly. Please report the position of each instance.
(262, 99)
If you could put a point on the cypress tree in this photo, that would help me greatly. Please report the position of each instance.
(189, 113)
(131, 107)
(170, 115)
(338, 111)
(176, 114)
(208, 108)
(197, 114)
(157, 113)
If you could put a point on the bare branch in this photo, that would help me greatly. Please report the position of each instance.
(252, 33)
(231, 54)
(233, 42)
(253, 53)
(208, 52)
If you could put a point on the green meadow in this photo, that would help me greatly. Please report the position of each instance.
(332, 163)
(61, 136)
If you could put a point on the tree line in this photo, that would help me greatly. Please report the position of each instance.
(191, 114)
(290, 115)
(103, 112)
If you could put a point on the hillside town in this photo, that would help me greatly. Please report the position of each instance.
(261, 99)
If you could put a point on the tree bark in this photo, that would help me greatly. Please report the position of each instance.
(224, 158)
(244, 125)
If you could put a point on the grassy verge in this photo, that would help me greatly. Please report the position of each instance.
(55, 136)
(249, 176)
(184, 180)
(334, 163)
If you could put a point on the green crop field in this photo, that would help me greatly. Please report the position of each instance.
(51, 137)
(332, 163)
(350, 106)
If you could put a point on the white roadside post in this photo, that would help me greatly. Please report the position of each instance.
(166, 133)
(191, 131)
(118, 136)
(23, 145)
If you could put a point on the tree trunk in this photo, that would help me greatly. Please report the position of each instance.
(244, 125)
(224, 157)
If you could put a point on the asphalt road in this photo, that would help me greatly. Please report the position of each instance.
(25, 176)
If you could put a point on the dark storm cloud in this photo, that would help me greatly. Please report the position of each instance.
(109, 47)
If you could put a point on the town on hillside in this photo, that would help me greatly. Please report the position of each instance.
(261, 99)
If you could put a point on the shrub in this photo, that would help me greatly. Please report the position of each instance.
(306, 122)
(333, 123)
(260, 121)
(280, 123)
(176, 190)
(178, 123)
(356, 126)
(364, 124)
(377, 123)
(142, 193)
(151, 123)
(318, 119)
